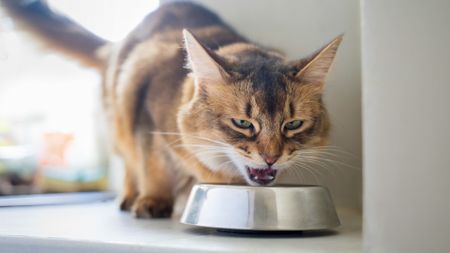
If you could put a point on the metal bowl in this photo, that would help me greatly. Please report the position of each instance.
(276, 208)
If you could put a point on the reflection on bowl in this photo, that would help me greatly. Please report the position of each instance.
(279, 208)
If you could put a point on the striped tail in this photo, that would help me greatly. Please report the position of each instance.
(56, 30)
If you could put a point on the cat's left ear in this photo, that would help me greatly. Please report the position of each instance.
(314, 69)
(206, 66)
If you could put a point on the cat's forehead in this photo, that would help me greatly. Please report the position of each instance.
(257, 60)
(264, 92)
(265, 79)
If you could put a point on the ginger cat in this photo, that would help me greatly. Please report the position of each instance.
(190, 100)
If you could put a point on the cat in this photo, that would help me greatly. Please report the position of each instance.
(190, 100)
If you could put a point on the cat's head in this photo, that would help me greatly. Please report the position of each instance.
(252, 112)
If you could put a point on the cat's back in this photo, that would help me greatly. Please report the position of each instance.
(175, 16)
(165, 25)
(153, 50)
(145, 71)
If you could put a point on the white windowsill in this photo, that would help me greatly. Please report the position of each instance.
(100, 227)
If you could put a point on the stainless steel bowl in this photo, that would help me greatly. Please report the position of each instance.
(278, 208)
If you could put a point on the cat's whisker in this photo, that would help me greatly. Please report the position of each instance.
(288, 173)
(317, 165)
(240, 152)
(312, 171)
(336, 150)
(316, 169)
(170, 144)
(320, 152)
(298, 174)
(184, 135)
(302, 166)
(221, 166)
(189, 135)
(303, 173)
(319, 159)
(333, 172)
(207, 151)
(210, 156)
(197, 147)
(331, 153)
(331, 166)
(316, 159)
(335, 161)
(200, 146)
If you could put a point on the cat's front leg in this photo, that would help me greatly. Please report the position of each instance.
(155, 198)
(130, 191)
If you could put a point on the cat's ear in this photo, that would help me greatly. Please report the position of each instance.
(206, 66)
(314, 69)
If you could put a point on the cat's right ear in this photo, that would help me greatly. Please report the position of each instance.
(206, 66)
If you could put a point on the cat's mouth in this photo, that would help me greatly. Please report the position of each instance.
(262, 176)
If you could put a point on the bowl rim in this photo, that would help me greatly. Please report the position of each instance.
(278, 186)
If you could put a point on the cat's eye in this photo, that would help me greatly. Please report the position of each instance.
(242, 123)
(292, 125)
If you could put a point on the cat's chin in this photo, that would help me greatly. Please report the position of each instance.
(261, 176)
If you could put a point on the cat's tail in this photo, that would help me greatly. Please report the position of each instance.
(56, 30)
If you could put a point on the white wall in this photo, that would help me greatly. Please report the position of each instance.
(299, 28)
(406, 108)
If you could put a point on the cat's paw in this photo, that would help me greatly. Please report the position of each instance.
(150, 207)
(127, 201)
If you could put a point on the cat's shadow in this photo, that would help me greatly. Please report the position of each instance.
(260, 234)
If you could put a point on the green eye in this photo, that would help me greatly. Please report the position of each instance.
(295, 124)
(242, 123)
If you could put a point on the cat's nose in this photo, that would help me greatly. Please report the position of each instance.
(270, 159)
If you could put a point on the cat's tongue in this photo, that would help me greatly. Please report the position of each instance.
(262, 176)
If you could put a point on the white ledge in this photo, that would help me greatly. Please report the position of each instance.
(100, 227)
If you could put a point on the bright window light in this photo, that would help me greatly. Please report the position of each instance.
(110, 19)
(50, 128)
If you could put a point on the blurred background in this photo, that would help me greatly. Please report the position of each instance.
(52, 136)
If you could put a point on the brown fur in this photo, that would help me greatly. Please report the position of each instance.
(159, 114)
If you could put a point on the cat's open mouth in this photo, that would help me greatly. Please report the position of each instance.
(262, 176)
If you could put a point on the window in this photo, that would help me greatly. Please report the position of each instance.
(52, 138)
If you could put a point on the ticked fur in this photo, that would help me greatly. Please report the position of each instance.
(175, 126)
